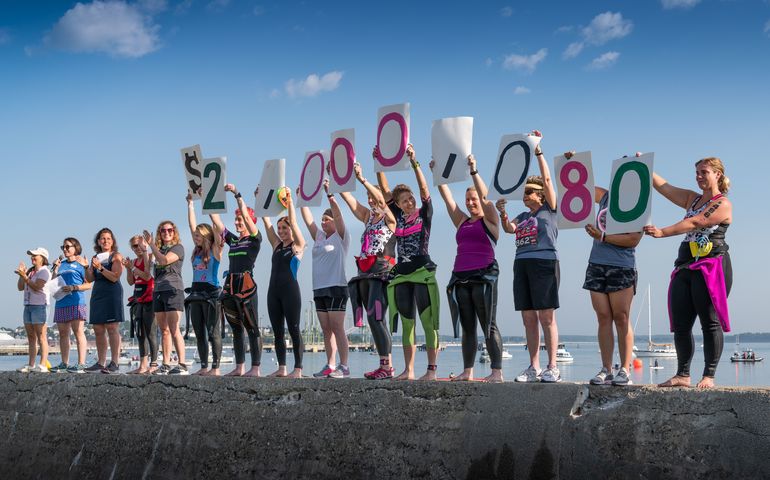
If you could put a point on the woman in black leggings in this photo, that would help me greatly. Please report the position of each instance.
(703, 275)
(284, 301)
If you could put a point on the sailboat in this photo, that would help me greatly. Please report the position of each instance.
(653, 349)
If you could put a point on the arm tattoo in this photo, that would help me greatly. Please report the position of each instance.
(712, 209)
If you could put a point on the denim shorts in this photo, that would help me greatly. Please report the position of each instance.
(35, 314)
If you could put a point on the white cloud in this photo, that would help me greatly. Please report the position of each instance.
(526, 63)
(258, 10)
(313, 85)
(506, 11)
(152, 6)
(115, 28)
(565, 29)
(669, 4)
(5, 36)
(573, 50)
(605, 27)
(275, 93)
(521, 90)
(604, 60)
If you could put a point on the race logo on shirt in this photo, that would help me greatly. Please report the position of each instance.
(526, 233)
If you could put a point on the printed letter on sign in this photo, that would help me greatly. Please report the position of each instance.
(191, 160)
(392, 138)
(273, 178)
(311, 180)
(575, 180)
(514, 156)
(630, 207)
(214, 195)
(452, 141)
(342, 156)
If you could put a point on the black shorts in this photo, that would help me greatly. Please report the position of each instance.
(331, 299)
(608, 278)
(168, 301)
(535, 284)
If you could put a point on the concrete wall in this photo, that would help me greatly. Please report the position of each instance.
(99, 426)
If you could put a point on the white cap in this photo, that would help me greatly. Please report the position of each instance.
(39, 251)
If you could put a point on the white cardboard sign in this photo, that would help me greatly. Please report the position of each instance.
(630, 202)
(575, 183)
(392, 138)
(273, 178)
(311, 180)
(214, 179)
(192, 162)
(451, 142)
(516, 153)
(342, 156)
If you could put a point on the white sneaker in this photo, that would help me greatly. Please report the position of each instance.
(530, 375)
(39, 369)
(551, 375)
(604, 377)
(621, 379)
(24, 369)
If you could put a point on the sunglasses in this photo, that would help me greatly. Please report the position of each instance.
(66, 247)
(166, 230)
(135, 246)
(529, 191)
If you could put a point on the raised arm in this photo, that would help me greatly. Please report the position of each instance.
(678, 196)
(720, 211)
(299, 240)
(339, 221)
(382, 180)
(490, 213)
(422, 184)
(191, 221)
(270, 232)
(359, 211)
(307, 217)
(509, 226)
(455, 214)
(548, 189)
(251, 225)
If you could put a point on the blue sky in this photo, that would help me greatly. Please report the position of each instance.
(97, 98)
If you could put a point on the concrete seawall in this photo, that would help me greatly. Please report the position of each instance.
(99, 426)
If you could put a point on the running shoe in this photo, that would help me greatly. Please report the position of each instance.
(111, 369)
(60, 368)
(380, 374)
(324, 372)
(551, 375)
(621, 379)
(180, 369)
(39, 369)
(162, 370)
(530, 375)
(24, 369)
(79, 368)
(342, 371)
(95, 368)
(604, 377)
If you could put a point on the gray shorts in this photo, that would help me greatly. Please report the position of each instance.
(609, 279)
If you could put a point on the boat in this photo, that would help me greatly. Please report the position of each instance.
(746, 356)
(562, 355)
(653, 350)
(506, 354)
(484, 357)
(223, 358)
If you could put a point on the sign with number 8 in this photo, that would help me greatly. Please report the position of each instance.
(575, 181)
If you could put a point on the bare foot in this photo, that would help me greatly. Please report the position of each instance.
(705, 382)
(151, 370)
(676, 381)
(495, 377)
(280, 373)
(202, 372)
(253, 372)
(214, 372)
(236, 372)
(138, 371)
(296, 373)
(467, 375)
(431, 375)
(406, 375)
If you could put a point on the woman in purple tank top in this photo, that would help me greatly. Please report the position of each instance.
(472, 290)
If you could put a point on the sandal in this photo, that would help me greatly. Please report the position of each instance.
(380, 374)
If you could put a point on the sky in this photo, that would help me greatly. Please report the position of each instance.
(97, 98)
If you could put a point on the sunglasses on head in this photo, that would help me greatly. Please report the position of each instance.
(166, 230)
(65, 247)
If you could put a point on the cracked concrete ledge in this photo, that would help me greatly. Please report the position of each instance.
(99, 426)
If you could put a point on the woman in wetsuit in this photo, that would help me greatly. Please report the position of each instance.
(284, 302)
(143, 324)
(239, 296)
(202, 304)
(378, 255)
(414, 276)
(703, 274)
(472, 290)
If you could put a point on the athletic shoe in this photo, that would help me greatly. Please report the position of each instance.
(60, 368)
(79, 368)
(380, 374)
(324, 372)
(162, 370)
(621, 379)
(39, 369)
(604, 377)
(551, 375)
(111, 369)
(95, 368)
(24, 369)
(341, 371)
(180, 369)
(530, 375)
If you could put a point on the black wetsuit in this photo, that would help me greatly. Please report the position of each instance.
(285, 302)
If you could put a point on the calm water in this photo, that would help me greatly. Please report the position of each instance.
(586, 364)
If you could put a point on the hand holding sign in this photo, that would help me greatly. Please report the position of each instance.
(451, 140)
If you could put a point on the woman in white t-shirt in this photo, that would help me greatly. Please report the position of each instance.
(32, 282)
(330, 285)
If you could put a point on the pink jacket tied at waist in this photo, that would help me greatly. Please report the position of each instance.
(711, 269)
